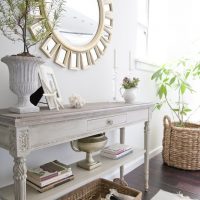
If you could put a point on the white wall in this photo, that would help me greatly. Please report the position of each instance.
(94, 84)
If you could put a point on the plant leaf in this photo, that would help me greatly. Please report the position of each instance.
(183, 88)
(162, 91)
(156, 75)
(172, 80)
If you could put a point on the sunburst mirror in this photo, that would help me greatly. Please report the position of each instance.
(82, 35)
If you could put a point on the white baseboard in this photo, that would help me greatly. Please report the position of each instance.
(133, 165)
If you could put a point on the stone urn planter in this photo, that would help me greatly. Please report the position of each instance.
(23, 80)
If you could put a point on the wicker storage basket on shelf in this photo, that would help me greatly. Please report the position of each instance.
(98, 189)
(181, 145)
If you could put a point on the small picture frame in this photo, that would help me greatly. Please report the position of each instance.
(50, 87)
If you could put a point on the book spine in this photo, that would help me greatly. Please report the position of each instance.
(30, 174)
(116, 149)
(49, 181)
(114, 152)
(62, 164)
(43, 189)
(116, 156)
(48, 177)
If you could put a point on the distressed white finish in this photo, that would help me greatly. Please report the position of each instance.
(21, 134)
(122, 141)
(82, 177)
(23, 77)
(146, 146)
(19, 171)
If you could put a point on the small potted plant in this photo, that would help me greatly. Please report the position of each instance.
(181, 142)
(129, 85)
(16, 16)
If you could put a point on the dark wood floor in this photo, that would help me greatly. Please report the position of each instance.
(165, 178)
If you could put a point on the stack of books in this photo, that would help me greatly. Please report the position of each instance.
(116, 151)
(49, 175)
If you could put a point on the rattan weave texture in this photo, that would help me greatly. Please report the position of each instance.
(98, 189)
(181, 145)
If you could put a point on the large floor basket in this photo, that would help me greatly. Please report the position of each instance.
(181, 145)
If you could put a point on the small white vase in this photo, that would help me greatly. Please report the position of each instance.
(129, 95)
(23, 79)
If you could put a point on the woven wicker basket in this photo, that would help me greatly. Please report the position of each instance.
(98, 189)
(181, 145)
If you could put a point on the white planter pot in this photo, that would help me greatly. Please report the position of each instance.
(129, 95)
(23, 78)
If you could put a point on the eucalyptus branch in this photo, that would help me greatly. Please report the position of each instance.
(25, 26)
(15, 18)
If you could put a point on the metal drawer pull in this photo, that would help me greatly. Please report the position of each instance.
(109, 122)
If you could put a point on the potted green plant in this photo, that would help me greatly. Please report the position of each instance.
(129, 85)
(16, 16)
(181, 142)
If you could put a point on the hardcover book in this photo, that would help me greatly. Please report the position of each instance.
(48, 171)
(117, 156)
(50, 186)
(50, 180)
(116, 148)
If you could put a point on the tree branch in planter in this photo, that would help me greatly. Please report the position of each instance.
(16, 16)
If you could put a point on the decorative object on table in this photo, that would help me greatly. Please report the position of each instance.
(50, 87)
(76, 101)
(49, 175)
(129, 85)
(116, 151)
(181, 144)
(89, 145)
(36, 96)
(23, 79)
(99, 188)
(16, 18)
(75, 45)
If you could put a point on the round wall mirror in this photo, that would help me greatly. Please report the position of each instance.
(82, 34)
(79, 23)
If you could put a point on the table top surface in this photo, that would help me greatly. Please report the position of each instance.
(46, 115)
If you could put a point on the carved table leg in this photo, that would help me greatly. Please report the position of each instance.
(146, 156)
(122, 141)
(19, 177)
(19, 147)
(121, 180)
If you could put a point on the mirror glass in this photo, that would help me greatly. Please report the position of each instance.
(79, 22)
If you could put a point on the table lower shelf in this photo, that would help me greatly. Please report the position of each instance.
(81, 177)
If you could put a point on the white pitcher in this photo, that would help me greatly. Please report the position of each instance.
(129, 95)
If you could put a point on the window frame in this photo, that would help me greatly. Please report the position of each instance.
(144, 61)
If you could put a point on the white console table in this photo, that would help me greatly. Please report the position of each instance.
(22, 133)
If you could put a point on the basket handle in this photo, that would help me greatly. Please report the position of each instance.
(167, 121)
